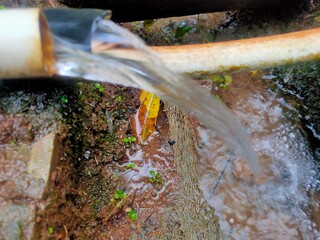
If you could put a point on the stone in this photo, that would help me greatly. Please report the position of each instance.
(24, 175)
(43, 154)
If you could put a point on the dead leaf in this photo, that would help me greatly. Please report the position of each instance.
(147, 115)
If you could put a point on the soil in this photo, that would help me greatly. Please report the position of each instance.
(81, 202)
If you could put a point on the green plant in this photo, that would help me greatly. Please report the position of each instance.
(131, 166)
(224, 81)
(64, 99)
(129, 140)
(148, 23)
(227, 81)
(182, 30)
(218, 98)
(155, 177)
(119, 98)
(136, 26)
(120, 194)
(133, 215)
(50, 230)
(2, 7)
(99, 87)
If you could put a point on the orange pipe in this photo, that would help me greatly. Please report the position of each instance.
(254, 53)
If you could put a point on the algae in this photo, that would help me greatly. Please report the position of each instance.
(302, 81)
(87, 176)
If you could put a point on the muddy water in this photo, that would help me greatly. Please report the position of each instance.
(151, 200)
(277, 205)
(138, 67)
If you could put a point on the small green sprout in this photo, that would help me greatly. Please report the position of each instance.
(119, 98)
(50, 230)
(148, 23)
(131, 166)
(227, 81)
(181, 31)
(64, 99)
(98, 86)
(133, 215)
(136, 25)
(129, 140)
(217, 78)
(120, 194)
(155, 177)
(224, 81)
(218, 98)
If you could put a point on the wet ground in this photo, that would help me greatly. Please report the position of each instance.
(278, 200)
(102, 188)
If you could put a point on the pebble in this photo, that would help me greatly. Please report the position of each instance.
(128, 209)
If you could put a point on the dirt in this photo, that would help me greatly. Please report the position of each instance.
(81, 201)
(8, 125)
(189, 217)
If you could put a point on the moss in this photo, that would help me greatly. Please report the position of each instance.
(303, 81)
(97, 121)
(30, 109)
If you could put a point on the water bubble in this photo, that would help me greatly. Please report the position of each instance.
(292, 136)
(87, 154)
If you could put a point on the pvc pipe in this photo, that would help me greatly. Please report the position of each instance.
(26, 47)
(254, 53)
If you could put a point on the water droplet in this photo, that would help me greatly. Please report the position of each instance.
(87, 154)
(292, 136)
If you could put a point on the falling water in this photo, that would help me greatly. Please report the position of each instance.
(122, 58)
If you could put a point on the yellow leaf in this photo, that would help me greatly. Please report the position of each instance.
(254, 72)
(147, 115)
(143, 96)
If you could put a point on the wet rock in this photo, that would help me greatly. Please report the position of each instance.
(315, 206)
(30, 3)
(16, 221)
(43, 157)
(24, 175)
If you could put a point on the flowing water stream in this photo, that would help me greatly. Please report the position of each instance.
(138, 67)
(276, 204)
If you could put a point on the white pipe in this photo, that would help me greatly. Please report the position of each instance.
(26, 48)
(254, 53)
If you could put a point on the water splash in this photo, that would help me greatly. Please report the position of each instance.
(124, 59)
(278, 205)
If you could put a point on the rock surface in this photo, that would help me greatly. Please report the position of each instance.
(24, 175)
(29, 3)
